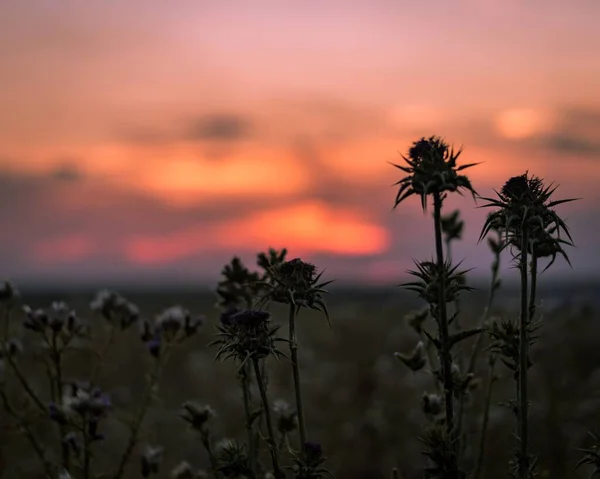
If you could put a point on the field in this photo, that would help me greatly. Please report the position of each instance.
(361, 404)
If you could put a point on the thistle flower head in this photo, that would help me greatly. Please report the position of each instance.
(524, 204)
(197, 415)
(505, 341)
(440, 449)
(115, 309)
(296, 282)
(429, 279)
(232, 459)
(247, 335)
(431, 169)
(308, 464)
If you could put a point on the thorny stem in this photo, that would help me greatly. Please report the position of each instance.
(137, 422)
(37, 447)
(271, 436)
(533, 288)
(296, 370)
(445, 356)
(523, 362)
(485, 421)
(245, 382)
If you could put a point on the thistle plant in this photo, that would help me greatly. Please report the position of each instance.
(432, 170)
(297, 284)
(531, 228)
(247, 337)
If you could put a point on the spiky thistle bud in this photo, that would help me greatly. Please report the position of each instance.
(524, 204)
(431, 169)
(295, 282)
(247, 335)
(430, 278)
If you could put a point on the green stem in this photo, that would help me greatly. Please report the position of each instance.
(296, 370)
(271, 436)
(485, 421)
(523, 362)
(445, 355)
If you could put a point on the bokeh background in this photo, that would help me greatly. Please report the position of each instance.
(144, 143)
(150, 139)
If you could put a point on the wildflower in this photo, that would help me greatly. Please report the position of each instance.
(287, 418)
(431, 169)
(183, 471)
(197, 415)
(247, 335)
(524, 204)
(232, 459)
(115, 308)
(296, 282)
(308, 465)
(89, 403)
(59, 318)
(416, 360)
(151, 459)
(173, 325)
(430, 278)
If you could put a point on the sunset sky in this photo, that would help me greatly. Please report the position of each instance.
(150, 141)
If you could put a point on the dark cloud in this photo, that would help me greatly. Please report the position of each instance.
(218, 127)
(67, 171)
(572, 144)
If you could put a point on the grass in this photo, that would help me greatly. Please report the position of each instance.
(387, 390)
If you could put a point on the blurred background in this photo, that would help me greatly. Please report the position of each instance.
(144, 143)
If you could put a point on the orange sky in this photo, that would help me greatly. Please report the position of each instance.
(147, 136)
